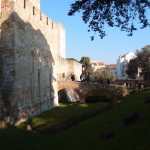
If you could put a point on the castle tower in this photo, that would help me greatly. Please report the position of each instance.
(28, 63)
(0, 5)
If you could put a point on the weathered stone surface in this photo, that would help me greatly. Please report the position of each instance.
(31, 44)
(131, 118)
(84, 89)
(68, 95)
(68, 67)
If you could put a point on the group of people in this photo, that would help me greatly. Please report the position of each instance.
(136, 84)
(128, 84)
(84, 77)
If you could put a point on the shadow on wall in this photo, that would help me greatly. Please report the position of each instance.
(26, 71)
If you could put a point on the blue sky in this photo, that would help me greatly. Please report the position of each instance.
(78, 42)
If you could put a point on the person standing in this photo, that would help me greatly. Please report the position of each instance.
(81, 77)
(88, 77)
(72, 77)
(108, 81)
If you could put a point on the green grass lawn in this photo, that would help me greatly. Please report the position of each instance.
(98, 97)
(86, 135)
(64, 116)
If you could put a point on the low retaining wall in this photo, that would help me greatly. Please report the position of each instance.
(146, 83)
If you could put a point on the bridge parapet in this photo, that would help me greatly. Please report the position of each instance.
(83, 89)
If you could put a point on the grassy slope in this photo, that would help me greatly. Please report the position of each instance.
(64, 116)
(86, 135)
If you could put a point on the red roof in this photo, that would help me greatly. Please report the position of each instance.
(97, 63)
(111, 66)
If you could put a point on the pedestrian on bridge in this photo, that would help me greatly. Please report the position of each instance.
(72, 77)
(82, 77)
(108, 81)
(87, 78)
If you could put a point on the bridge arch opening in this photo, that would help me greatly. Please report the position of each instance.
(99, 95)
(68, 95)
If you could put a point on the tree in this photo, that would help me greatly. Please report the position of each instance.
(114, 13)
(132, 68)
(85, 61)
(102, 76)
(89, 70)
(142, 61)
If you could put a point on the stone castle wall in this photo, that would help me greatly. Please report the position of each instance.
(35, 2)
(30, 43)
(31, 51)
(77, 70)
(68, 67)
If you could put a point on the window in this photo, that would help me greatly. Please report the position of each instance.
(33, 10)
(40, 16)
(52, 24)
(24, 3)
(47, 21)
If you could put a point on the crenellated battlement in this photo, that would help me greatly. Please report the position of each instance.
(5, 4)
(29, 11)
(36, 3)
(31, 43)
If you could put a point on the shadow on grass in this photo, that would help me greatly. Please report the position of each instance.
(86, 135)
(64, 117)
(99, 97)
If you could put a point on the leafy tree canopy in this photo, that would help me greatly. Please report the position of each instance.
(142, 61)
(132, 68)
(89, 70)
(143, 58)
(102, 76)
(85, 61)
(128, 15)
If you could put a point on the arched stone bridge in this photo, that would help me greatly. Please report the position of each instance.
(84, 89)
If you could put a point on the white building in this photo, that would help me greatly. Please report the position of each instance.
(98, 65)
(122, 63)
(113, 69)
